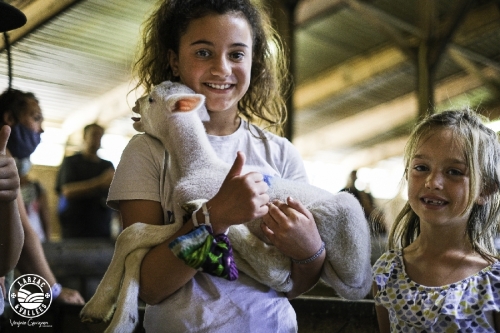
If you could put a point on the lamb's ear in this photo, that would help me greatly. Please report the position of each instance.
(191, 102)
(186, 103)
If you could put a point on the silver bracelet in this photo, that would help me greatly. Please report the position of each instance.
(314, 257)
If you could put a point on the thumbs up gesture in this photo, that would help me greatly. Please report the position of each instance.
(241, 197)
(9, 178)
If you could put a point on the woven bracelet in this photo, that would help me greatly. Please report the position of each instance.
(314, 257)
(203, 251)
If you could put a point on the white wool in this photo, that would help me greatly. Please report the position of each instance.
(172, 113)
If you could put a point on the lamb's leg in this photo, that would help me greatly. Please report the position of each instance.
(344, 229)
(126, 316)
(262, 262)
(139, 235)
(342, 226)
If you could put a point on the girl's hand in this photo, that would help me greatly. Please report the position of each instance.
(9, 178)
(240, 199)
(70, 296)
(292, 229)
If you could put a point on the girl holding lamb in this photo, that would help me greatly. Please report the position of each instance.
(221, 49)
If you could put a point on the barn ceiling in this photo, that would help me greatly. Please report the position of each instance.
(360, 67)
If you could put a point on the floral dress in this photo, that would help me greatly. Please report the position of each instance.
(464, 306)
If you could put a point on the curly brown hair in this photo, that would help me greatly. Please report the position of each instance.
(264, 102)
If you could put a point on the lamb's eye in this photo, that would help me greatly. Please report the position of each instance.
(151, 100)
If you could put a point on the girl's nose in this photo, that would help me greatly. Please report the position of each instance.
(434, 181)
(221, 67)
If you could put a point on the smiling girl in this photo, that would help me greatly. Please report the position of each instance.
(442, 272)
(221, 49)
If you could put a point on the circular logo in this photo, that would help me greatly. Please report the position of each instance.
(27, 296)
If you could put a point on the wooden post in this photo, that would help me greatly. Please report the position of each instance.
(283, 15)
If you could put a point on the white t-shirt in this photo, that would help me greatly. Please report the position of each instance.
(207, 303)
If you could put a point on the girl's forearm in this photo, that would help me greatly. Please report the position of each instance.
(305, 276)
(11, 236)
(162, 273)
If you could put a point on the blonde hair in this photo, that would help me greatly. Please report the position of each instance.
(264, 102)
(482, 152)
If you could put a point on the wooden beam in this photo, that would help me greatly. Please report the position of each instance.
(391, 148)
(37, 12)
(284, 17)
(375, 17)
(351, 73)
(382, 118)
(493, 84)
(309, 10)
(360, 69)
(370, 156)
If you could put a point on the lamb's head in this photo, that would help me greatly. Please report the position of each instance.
(164, 101)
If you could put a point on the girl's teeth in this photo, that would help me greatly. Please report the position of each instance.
(218, 86)
(434, 202)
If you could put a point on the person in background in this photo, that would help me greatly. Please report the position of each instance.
(82, 185)
(21, 112)
(442, 270)
(35, 200)
(372, 214)
(11, 229)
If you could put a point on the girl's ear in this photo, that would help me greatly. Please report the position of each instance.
(8, 118)
(174, 62)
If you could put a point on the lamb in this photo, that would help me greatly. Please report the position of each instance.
(173, 114)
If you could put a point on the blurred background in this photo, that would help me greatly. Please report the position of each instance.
(364, 71)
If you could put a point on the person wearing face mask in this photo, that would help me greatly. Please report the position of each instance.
(21, 112)
(35, 200)
(11, 229)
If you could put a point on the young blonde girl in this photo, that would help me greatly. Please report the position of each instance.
(442, 272)
(227, 51)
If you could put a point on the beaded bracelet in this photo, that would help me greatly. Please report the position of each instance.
(314, 257)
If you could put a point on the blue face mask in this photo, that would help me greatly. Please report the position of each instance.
(22, 141)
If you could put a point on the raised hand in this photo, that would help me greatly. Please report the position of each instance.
(9, 178)
(241, 198)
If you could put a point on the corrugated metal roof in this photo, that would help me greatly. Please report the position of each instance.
(78, 63)
(78, 56)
